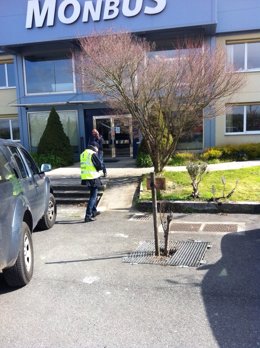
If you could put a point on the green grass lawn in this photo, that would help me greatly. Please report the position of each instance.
(178, 185)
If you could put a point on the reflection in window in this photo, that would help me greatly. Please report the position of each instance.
(171, 53)
(235, 119)
(192, 141)
(243, 119)
(7, 78)
(31, 164)
(49, 74)
(244, 56)
(9, 129)
(38, 120)
(253, 118)
(5, 171)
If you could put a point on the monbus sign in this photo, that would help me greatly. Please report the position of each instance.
(70, 11)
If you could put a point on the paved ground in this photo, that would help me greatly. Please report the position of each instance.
(83, 295)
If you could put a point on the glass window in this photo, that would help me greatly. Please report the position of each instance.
(239, 56)
(15, 129)
(243, 119)
(192, 141)
(5, 171)
(49, 74)
(235, 119)
(253, 54)
(31, 164)
(9, 129)
(7, 78)
(245, 56)
(17, 160)
(2, 76)
(38, 120)
(10, 74)
(5, 129)
(253, 118)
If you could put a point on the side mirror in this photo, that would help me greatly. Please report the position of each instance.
(45, 167)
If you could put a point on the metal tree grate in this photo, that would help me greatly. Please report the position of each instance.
(140, 217)
(188, 253)
(185, 227)
(203, 227)
(220, 228)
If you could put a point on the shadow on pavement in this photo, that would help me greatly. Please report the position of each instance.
(231, 291)
(4, 288)
(94, 258)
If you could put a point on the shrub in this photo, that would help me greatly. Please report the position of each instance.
(143, 159)
(211, 154)
(54, 142)
(182, 158)
(55, 161)
(235, 152)
(196, 170)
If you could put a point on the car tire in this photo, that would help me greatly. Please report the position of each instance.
(21, 273)
(49, 218)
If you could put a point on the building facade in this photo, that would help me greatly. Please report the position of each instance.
(38, 39)
(9, 126)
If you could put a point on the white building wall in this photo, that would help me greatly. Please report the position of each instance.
(248, 94)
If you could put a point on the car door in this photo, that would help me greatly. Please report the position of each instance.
(31, 179)
(9, 189)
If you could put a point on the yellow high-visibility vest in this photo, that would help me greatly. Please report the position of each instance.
(87, 169)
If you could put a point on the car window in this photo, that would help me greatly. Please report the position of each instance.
(17, 159)
(5, 170)
(30, 162)
(7, 174)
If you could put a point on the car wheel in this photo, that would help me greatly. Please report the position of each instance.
(48, 219)
(21, 273)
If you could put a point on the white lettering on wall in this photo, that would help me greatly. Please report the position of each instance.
(38, 15)
(161, 4)
(135, 11)
(94, 12)
(111, 10)
(33, 10)
(75, 14)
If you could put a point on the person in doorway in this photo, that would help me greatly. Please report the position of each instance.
(90, 166)
(97, 138)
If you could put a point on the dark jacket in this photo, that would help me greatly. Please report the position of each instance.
(99, 140)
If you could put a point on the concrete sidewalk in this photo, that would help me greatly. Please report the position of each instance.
(123, 178)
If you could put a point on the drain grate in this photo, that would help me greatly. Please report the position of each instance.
(203, 227)
(188, 253)
(140, 217)
(220, 228)
(183, 227)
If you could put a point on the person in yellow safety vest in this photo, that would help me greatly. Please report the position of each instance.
(90, 166)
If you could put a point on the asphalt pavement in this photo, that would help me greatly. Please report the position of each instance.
(83, 295)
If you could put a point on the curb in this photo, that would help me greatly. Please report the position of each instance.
(201, 207)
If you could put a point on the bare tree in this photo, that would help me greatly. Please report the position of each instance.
(166, 95)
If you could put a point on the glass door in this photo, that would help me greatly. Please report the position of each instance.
(117, 133)
(123, 136)
(103, 125)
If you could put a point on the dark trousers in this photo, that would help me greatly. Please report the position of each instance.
(101, 158)
(92, 203)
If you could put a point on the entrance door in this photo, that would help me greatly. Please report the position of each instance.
(117, 133)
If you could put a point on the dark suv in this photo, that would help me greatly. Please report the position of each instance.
(26, 202)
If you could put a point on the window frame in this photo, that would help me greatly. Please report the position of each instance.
(6, 76)
(50, 93)
(47, 113)
(245, 132)
(10, 121)
(245, 56)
